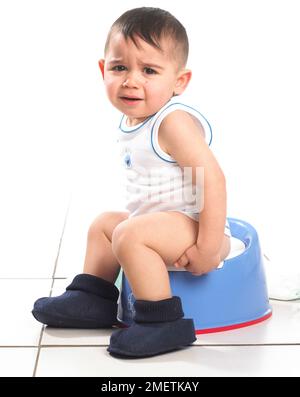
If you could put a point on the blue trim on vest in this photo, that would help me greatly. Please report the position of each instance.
(172, 104)
(168, 161)
(140, 126)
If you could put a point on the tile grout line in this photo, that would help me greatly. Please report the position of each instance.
(38, 353)
(196, 345)
(32, 278)
(52, 284)
(60, 241)
(64, 346)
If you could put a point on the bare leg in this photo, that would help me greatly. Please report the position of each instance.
(100, 261)
(146, 244)
(90, 301)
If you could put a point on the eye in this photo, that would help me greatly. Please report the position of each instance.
(119, 68)
(149, 71)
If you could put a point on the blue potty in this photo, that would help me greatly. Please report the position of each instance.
(232, 296)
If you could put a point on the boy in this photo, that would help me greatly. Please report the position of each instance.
(161, 139)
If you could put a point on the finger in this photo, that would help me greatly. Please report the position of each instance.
(193, 270)
(183, 260)
(178, 264)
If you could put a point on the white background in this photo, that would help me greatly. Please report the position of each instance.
(56, 123)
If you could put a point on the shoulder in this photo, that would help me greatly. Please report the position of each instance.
(180, 114)
(180, 127)
(180, 119)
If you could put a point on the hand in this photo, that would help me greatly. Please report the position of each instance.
(197, 261)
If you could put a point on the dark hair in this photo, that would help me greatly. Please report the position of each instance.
(151, 24)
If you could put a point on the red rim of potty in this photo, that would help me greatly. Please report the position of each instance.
(219, 329)
(234, 326)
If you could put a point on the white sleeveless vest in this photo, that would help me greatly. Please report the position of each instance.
(153, 179)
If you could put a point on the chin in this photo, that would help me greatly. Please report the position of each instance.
(134, 114)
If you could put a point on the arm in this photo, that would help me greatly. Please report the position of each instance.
(178, 130)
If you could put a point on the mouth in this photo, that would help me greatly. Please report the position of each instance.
(130, 100)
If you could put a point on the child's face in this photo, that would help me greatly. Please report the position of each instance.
(139, 80)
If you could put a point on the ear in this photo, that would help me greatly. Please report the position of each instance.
(183, 79)
(101, 64)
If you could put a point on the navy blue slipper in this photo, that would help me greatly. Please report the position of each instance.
(158, 328)
(89, 302)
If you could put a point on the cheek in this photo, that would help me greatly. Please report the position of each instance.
(111, 78)
(158, 89)
(111, 86)
(153, 86)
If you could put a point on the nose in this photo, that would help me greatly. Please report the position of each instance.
(132, 81)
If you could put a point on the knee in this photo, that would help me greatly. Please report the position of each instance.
(97, 226)
(123, 237)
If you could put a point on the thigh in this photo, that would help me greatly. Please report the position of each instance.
(169, 233)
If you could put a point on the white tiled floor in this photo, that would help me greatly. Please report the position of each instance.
(271, 348)
(17, 361)
(194, 361)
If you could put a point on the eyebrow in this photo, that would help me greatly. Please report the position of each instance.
(118, 60)
(152, 65)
